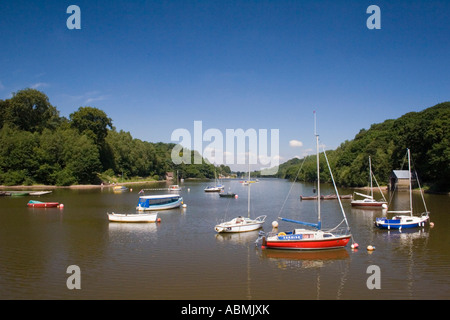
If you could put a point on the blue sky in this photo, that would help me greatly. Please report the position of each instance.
(156, 66)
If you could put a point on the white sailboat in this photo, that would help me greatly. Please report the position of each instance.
(369, 200)
(175, 187)
(242, 224)
(216, 188)
(405, 221)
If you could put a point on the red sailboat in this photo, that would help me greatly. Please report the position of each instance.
(306, 239)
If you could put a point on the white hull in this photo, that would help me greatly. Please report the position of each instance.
(368, 203)
(139, 217)
(241, 225)
(159, 207)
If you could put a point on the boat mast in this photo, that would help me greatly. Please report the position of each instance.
(370, 173)
(249, 184)
(410, 184)
(318, 170)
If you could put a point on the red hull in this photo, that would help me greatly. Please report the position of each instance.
(339, 242)
(44, 205)
(360, 204)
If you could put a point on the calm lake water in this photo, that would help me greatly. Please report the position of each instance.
(182, 257)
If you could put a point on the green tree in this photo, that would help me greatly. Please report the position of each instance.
(91, 121)
(29, 110)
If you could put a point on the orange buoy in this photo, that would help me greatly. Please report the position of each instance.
(158, 220)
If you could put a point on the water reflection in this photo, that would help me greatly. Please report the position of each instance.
(118, 260)
(303, 259)
(241, 238)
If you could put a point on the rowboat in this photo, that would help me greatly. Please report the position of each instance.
(227, 195)
(39, 204)
(19, 193)
(118, 189)
(135, 217)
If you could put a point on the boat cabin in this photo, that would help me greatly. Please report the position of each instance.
(160, 201)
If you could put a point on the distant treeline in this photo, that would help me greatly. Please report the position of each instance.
(425, 133)
(37, 146)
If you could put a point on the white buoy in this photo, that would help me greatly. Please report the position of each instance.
(275, 224)
(61, 206)
(184, 205)
(384, 206)
(370, 248)
(432, 224)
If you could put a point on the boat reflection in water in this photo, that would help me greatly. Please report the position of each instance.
(304, 259)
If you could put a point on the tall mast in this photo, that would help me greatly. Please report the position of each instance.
(249, 184)
(370, 173)
(318, 169)
(410, 184)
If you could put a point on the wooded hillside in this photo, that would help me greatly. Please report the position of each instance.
(425, 133)
(37, 146)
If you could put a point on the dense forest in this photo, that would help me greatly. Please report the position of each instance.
(425, 133)
(40, 147)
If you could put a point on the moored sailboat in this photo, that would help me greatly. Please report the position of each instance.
(216, 188)
(307, 239)
(369, 200)
(241, 224)
(405, 221)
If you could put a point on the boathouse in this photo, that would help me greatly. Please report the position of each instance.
(169, 175)
(399, 180)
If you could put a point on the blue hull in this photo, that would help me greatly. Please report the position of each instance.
(384, 223)
(396, 225)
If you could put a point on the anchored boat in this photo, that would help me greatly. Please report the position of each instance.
(306, 239)
(159, 202)
(369, 200)
(241, 224)
(135, 217)
(405, 221)
(40, 204)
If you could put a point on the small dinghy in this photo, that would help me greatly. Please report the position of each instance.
(134, 217)
(40, 204)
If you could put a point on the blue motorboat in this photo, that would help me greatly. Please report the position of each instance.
(159, 202)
